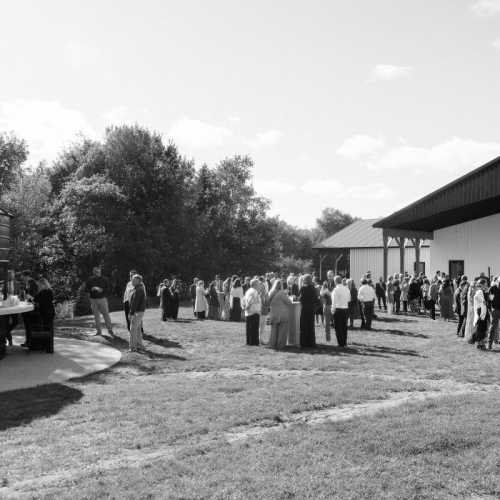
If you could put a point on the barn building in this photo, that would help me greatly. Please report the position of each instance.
(462, 220)
(359, 248)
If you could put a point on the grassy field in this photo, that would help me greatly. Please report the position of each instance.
(406, 411)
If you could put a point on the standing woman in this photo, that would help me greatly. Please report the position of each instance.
(213, 301)
(236, 295)
(279, 313)
(175, 297)
(446, 300)
(326, 301)
(308, 300)
(200, 301)
(390, 295)
(481, 314)
(319, 310)
(354, 305)
(165, 300)
(469, 322)
(226, 288)
(405, 288)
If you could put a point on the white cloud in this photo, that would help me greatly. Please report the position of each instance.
(266, 138)
(359, 146)
(198, 135)
(273, 188)
(117, 116)
(47, 126)
(234, 119)
(388, 72)
(455, 155)
(79, 55)
(496, 44)
(486, 8)
(322, 187)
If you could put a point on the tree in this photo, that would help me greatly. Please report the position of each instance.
(13, 153)
(333, 220)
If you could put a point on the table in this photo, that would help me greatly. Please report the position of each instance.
(6, 311)
(294, 324)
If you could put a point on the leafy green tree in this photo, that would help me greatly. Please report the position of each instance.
(333, 220)
(13, 153)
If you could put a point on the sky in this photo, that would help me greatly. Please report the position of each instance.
(360, 105)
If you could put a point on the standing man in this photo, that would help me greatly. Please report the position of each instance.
(464, 306)
(126, 297)
(330, 279)
(494, 296)
(252, 306)
(137, 308)
(341, 296)
(98, 288)
(432, 297)
(367, 296)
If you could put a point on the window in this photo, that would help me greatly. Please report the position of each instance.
(456, 268)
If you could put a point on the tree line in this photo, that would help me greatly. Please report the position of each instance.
(132, 201)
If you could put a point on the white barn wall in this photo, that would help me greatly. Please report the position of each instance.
(372, 259)
(476, 242)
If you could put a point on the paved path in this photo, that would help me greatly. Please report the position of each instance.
(72, 358)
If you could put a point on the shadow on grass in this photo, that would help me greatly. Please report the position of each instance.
(395, 319)
(401, 333)
(162, 342)
(353, 349)
(22, 406)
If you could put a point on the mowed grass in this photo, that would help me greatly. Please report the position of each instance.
(156, 424)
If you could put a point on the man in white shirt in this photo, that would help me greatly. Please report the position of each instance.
(367, 296)
(252, 306)
(341, 296)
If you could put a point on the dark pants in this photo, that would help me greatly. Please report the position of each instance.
(252, 329)
(397, 302)
(383, 299)
(340, 320)
(126, 310)
(368, 314)
(495, 320)
(200, 315)
(11, 322)
(405, 306)
(462, 318)
(431, 305)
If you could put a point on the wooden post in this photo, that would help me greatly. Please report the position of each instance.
(416, 243)
(401, 242)
(385, 239)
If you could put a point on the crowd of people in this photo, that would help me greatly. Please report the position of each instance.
(266, 301)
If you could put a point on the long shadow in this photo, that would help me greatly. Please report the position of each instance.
(353, 349)
(398, 319)
(401, 333)
(162, 342)
(20, 407)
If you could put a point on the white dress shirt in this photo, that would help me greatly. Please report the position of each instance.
(341, 296)
(366, 293)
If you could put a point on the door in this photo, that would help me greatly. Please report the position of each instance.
(456, 268)
(419, 267)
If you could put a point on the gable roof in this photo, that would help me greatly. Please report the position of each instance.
(359, 234)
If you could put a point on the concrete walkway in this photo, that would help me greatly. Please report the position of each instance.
(72, 358)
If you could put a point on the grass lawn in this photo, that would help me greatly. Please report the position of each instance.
(159, 424)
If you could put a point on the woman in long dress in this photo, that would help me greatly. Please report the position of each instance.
(236, 295)
(390, 295)
(309, 301)
(469, 322)
(175, 297)
(226, 288)
(446, 300)
(354, 306)
(279, 313)
(200, 303)
(213, 302)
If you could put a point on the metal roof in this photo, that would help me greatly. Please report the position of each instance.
(359, 234)
(472, 196)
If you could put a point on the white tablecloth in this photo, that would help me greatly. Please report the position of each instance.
(19, 309)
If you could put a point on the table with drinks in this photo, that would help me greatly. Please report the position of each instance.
(11, 305)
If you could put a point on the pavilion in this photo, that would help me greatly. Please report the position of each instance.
(462, 219)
